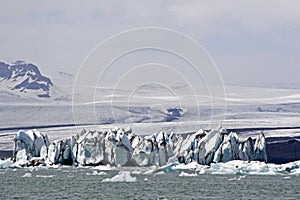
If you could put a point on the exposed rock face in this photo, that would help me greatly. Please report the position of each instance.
(25, 77)
(122, 148)
(283, 149)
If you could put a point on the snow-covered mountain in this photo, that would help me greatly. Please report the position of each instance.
(21, 77)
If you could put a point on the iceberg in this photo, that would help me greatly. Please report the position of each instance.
(121, 177)
(121, 147)
(103, 168)
(45, 176)
(187, 174)
(260, 152)
(28, 144)
(8, 163)
(95, 173)
(238, 167)
(27, 175)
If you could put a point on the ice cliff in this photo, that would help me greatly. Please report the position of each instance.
(121, 147)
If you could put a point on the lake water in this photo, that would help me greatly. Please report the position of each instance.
(86, 183)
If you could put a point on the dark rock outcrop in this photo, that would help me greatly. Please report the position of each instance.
(283, 150)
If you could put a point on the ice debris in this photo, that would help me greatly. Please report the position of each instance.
(27, 175)
(187, 174)
(8, 163)
(121, 177)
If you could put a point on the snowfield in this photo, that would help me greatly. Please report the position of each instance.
(150, 109)
(246, 108)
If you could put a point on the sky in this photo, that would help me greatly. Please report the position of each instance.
(253, 42)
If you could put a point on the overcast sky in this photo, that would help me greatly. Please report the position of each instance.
(255, 42)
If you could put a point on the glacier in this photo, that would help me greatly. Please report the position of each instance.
(204, 152)
(121, 147)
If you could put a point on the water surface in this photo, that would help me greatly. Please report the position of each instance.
(82, 183)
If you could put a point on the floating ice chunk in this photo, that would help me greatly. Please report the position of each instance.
(45, 176)
(237, 179)
(221, 168)
(99, 173)
(160, 173)
(202, 170)
(189, 166)
(187, 174)
(238, 167)
(259, 168)
(243, 167)
(54, 166)
(8, 163)
(104, 168)
(290, 167)
(167, 167)
(95, 173)
(151, 170)
(295, 171)
(173, 159)
(121, 177)
(136, 172)
(27, 175)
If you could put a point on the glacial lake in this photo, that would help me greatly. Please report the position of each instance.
(87, 183)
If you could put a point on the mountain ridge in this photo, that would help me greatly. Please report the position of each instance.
(24, 78)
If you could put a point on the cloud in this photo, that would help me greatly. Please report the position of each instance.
(256, 16)
(57, 35)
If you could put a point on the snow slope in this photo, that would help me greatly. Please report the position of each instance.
(148, 109)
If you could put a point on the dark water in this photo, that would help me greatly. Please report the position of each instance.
(75, 183)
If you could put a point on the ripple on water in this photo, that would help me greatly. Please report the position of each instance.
(53, 183)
